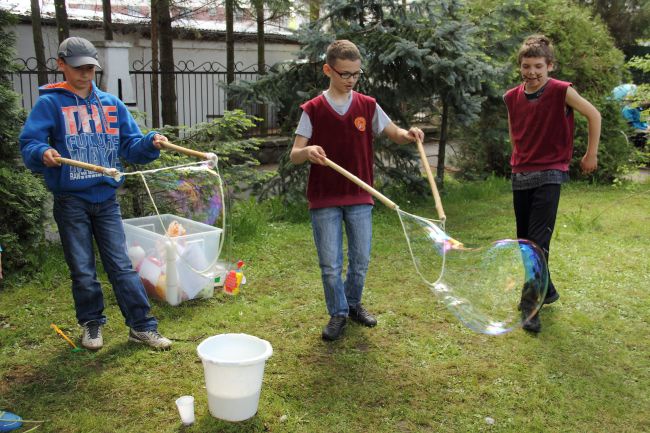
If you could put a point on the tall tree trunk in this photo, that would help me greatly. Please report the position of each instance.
(169, 114)
(62, 25)
(314, 10)
(361, 13)
(261, 62)
(155, 95)
(108, 20)
(230, 49)
(39, 49)
(444, 127)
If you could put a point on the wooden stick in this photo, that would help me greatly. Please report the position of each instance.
(84, 165)
(432, 182)
(385, 200)
(112, 172)
(184, 150)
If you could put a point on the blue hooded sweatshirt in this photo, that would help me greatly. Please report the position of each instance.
(98, 130)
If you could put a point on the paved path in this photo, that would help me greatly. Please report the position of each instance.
(641, 176)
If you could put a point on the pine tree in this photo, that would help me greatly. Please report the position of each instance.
(419, 57)
(21, 213)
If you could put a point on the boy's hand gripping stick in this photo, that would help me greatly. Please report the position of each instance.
(208, 156)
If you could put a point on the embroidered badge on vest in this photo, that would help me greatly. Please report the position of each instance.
(360, 123)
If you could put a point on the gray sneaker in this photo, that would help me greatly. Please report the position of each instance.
(150, 338)
(92, 338)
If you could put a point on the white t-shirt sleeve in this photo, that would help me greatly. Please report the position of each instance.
(304, 126)
(380, 120)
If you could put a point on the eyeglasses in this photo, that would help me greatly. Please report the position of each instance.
(348, 75)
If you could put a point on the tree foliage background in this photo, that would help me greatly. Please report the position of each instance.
(421, 57)
(451, 59)
(627, 20)
(586, 56)
(22, 194)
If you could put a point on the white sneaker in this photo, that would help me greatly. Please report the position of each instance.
(92, 336)
(150, 338)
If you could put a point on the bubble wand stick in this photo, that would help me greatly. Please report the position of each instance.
(209, 156)
(361, 184)
(432, 182)
(437, 234)
(436, 195)
(110, 172)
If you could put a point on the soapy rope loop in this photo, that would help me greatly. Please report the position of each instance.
(209, 164)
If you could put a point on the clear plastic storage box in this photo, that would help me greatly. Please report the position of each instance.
(176, 259)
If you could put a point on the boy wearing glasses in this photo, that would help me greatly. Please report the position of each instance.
(340, 124)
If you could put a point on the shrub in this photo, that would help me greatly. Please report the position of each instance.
(21, 212)
(586, 57)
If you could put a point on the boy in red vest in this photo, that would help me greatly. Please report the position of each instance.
(340, 124)
(540, 119)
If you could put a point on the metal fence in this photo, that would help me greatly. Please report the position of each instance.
(25, 80)
(200, 95)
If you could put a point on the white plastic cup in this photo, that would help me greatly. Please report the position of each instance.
(185, 406)
(234, 367)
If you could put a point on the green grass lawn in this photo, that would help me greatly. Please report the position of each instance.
(419, 370)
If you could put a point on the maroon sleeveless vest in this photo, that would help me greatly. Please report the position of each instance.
(347, 140)
(542, 129)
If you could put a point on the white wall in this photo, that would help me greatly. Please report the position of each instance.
(184, 50)
(197, 100)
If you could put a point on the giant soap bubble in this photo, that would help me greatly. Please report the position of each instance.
(491, 289)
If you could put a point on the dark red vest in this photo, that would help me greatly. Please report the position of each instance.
(542, 130)
(347, 140)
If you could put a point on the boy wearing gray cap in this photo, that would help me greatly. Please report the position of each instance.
(76, 120)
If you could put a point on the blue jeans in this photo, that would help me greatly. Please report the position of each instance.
(328, 237)
(79, 221)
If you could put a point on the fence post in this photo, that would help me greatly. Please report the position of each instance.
(114, 58)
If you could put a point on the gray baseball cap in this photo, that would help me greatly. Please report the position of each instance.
(78, 52)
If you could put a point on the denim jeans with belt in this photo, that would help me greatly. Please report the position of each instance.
(79, 221)
(327, 226)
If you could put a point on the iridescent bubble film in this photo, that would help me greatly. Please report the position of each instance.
(191, 192)
(492, 289)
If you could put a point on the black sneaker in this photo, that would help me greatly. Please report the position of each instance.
(533, 324)
(334, 329)
(552, 298)
(361, 315)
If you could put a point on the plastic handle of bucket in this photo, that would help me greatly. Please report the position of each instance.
(266, 354)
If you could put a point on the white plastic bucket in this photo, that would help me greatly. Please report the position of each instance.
(233, 365)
